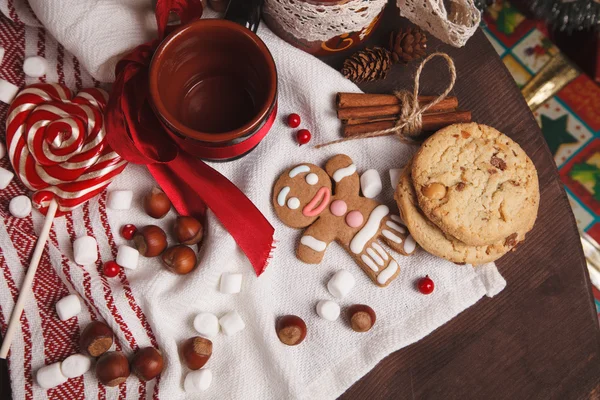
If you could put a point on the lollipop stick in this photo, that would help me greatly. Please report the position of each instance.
(28, 282)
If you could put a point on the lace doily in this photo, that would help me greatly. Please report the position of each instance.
(454, 26)
(313, 23)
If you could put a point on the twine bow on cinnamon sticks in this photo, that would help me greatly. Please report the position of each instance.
(403, 114)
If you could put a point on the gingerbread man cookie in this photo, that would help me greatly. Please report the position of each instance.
(303, 197)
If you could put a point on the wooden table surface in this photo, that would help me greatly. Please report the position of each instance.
(539, 338)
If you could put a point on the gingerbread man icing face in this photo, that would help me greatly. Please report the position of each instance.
(303, 197)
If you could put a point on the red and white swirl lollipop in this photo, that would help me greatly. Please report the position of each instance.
(56, 143)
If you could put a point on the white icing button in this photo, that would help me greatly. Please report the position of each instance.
(206, 324)
(410, 244)
(370, 183)
(68, 307)
(328, 310)
(20, 206)
(50, 376)
(8, 91)
(341, 283)
(127, 257)
(312, 178)
(395, 177)
(119, 199)
(293, 203)
(231, 323)
(197, 381)
(85, 250)
(75, 365)
(5, 178)
(387, 273)
(2, 150)
(35, 66)
(231, 283)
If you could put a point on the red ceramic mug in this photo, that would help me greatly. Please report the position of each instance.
(213, 84)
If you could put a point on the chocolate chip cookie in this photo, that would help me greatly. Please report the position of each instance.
(476, 184)
(434, 240)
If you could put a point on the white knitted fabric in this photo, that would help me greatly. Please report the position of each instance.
(315, 22)
(453, 26)
(253, 364)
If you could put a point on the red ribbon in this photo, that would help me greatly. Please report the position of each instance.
(136, 134)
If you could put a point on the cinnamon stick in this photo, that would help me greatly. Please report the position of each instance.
(431, 122)
(447, 104)
(346, 100)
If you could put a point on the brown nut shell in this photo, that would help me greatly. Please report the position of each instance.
(291, 330)
(361, 317)
(150, 241)
(147, 363)
(112, 368)
(96, 339)
(188, 230)
(156, 203)
(179, 259)
(196, 352)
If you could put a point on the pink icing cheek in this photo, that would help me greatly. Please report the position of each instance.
(338, 208)
(354, 219)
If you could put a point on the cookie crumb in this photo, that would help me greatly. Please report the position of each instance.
(511, 240)
(498, 163)
(460, 186)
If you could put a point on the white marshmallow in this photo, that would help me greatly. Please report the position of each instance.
(75, 365)
(341, 283)
(35, 66)
(127, 257)
(2, 51)
(6, 177)
(329, 310)
(2, 150)
(231, 323)
(206, 324)
(8, 91)
(231, 283)
(20, 206)
(395, 177)
(197, 381)
(119, 199)
(50, 376)
(370, 183)
(85, 250)
(68, 307)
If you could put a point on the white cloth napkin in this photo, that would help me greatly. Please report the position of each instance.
(253, 364)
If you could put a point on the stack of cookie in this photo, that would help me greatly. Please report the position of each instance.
(469, 195)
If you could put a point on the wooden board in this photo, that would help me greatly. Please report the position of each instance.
(539, 338)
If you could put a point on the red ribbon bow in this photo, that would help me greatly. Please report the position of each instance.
(135, 133)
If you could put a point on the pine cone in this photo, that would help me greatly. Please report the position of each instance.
(367, 65)
(408, 45)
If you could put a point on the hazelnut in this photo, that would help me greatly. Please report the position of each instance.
(147, 363)
(179, 259)
(434, 191)
(156, 203)
(112, 368)
(196, 351)
(362, 317)
(291, 330)
(188, 230)
(96, 339)
(150, 241)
